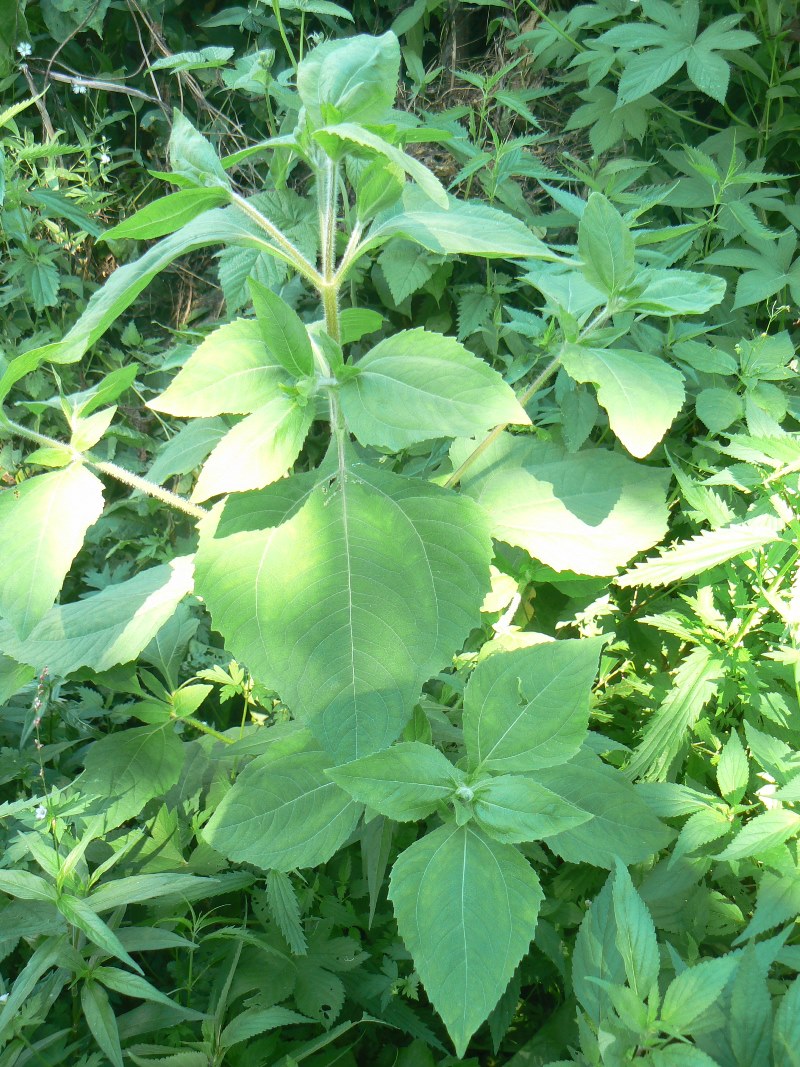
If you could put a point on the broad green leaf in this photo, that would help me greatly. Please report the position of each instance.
(705, 550)
(733, 770)
(718, 408)
(622, 826)
(282, 813)
(763, 833)
(605, 245)
(596, 956)
(694, 991)
(167, 214)
(192, 156)
(378, 186)
(102, 1022)
(352, 133)
(43, 522)
(352, 603)
(786, 1031)
(641, 393)
(231, 372)
(466, 908)
(635, 935)
(513, 808)
(111, 627)
(586, 511)
(131, 767)
(416, 386)
(258, 450)
(282, 331)
(352, 80)
(405, 782)
(464, 228)
(530, 708)
(701, 828)
(676, 292)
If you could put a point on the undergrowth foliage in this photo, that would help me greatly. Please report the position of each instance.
(454, 678)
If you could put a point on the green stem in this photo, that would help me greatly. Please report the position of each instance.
(599, 320)
(291, 253)
(276, 7)
(147, 487)
(119, 473)
(205, 729)
(554, 25)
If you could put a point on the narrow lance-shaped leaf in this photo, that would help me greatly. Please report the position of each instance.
(466, 908)
(42, 525)
(636, 935)
(282, 331)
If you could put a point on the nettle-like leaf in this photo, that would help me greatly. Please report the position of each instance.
(705, 550)
(283, 812)
(416, 385)
(529, 708)
(641, 393)
(588, 511)
(192, 156)
(346, 598)
(466, 908)
(43, 522)
(671, 41)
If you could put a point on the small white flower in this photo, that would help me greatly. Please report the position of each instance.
(3, 998)
(24, 48)
(41, 812)
(104, 158)
(78, 88)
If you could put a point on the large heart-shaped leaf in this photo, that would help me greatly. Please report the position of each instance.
(346, 597)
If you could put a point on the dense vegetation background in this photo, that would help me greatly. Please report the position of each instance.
(597, 468)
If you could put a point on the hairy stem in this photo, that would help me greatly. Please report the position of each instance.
(292, 254)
